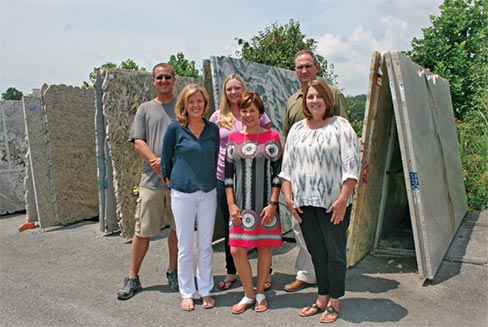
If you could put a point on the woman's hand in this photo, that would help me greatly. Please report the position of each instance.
(267, 214)
(338, 209)
(235, 214)
(294, 211)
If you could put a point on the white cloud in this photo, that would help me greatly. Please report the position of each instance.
(60, 41)
(351, 53)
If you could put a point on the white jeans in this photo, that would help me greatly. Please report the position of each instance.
(303, 265)
(190, 208)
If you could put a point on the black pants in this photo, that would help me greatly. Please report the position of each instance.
(326, 243)
(224, 213)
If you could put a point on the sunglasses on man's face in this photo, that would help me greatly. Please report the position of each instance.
(166, 77)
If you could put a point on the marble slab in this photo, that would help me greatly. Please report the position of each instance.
(12, 156)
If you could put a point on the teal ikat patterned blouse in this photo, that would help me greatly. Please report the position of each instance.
(318, 161)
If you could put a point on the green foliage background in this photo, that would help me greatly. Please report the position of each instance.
(182, 66)
(456, 47)
(277, 46)
(12, 94)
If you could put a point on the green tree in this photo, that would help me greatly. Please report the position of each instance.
(126, 64)
(456, 47)
(277, 46)
(12, 94)
(130, 65)
(356, 106)
(182, 66)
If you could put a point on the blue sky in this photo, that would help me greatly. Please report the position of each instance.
(60, 41)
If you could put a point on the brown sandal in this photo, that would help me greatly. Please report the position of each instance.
(226, 284)
(330, 315)
(314, 308)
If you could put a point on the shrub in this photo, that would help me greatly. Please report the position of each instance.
(473, 147)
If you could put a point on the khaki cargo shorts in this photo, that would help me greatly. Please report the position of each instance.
(153, 212)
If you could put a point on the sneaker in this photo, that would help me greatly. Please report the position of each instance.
(172, 276)
(131, 286)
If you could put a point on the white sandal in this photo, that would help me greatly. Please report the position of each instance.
(242, 306)
(260, 306)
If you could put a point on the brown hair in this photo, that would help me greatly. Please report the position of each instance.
(325, 93)
(248, 98)
(163, 65)
(309, 52)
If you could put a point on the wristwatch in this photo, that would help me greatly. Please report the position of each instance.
(274, 203)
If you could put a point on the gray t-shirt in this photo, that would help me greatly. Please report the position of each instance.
(150, 123)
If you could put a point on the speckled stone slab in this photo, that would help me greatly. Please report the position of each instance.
(36, 136)
(122, 91)
(12, 156)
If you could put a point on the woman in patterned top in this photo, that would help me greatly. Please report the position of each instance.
(228, 119)
(319, 172)
(253, 161)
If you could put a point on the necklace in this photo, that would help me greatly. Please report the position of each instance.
(250, 147)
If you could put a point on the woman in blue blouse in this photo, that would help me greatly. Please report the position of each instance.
(188, 166)
(319, 171)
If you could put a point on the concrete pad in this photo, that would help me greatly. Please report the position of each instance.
(68, 276)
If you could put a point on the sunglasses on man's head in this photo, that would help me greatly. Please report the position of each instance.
(166, 77)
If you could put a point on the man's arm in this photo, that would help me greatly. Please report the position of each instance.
(148, 155)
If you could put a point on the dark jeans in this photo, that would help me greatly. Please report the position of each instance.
(326, 243)
(224, 213)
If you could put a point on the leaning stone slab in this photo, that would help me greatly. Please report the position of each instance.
(61, 146)
(12, 157)
(122, 91)
(70, 115)
(37, 144)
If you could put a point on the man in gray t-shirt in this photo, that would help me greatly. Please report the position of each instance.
(153, 210)
(149, 125)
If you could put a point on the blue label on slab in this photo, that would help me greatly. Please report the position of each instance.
(414, 180)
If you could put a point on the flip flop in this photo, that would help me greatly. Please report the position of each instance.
(225, 284)
(314, 308)
(243, 305)
(330, 315)
(261, 303)
(208, 302)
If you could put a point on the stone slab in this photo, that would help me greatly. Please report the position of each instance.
(122, 91)
(431, 160)
(37, 142)
(12, 156)
(70, 113)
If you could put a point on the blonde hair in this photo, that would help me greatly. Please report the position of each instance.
(226, 118)
(180, 107)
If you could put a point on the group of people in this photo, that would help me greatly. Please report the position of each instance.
(235, 163)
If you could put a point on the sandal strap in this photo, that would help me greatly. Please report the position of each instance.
(332, 310)
(260, 297)
(246, 300)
